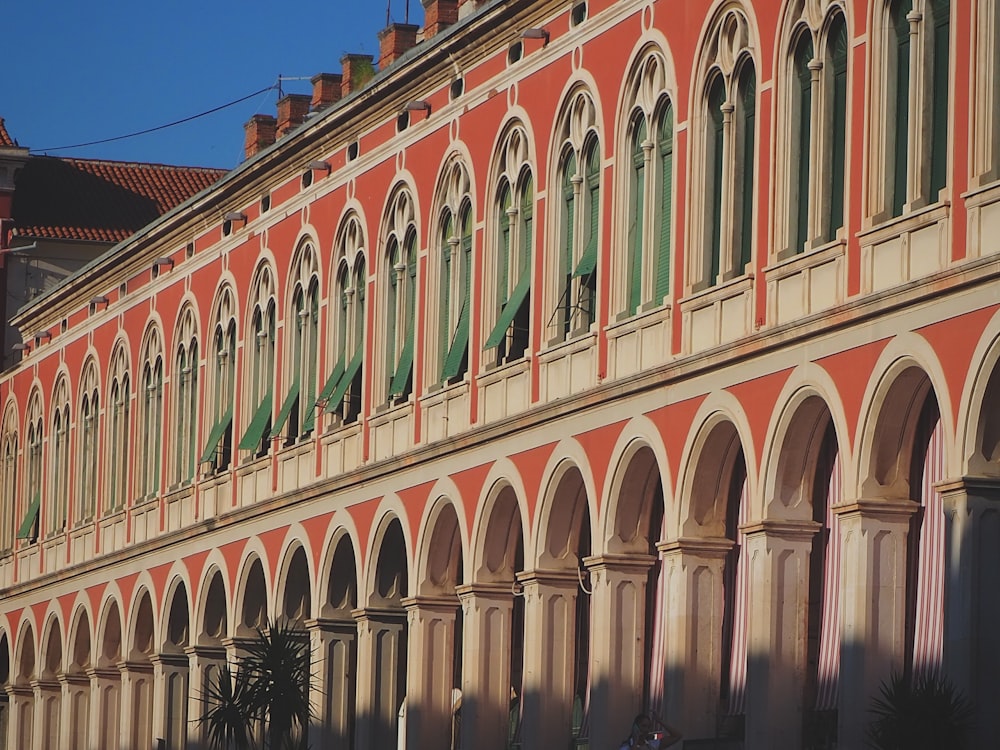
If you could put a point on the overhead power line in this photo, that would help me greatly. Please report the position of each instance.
(168, 125)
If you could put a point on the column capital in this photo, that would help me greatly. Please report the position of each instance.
(103, 673)
(634, 563)
(74, 678)
(205, 651)
(379, 615)
(127, 667)
(970, 485)
(787, 530)
(331, 625)
(441, 604)
(554, 578)
(697, 546)
(879, 509)
(486, 590)
(170, 659)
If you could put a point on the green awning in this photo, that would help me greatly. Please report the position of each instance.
(255, 431)
(332, 382)
(216, 436)
(286, 409)
(588, 262)
(345, 382)
(459, 345)
(30, 518)
(398, 384)
(509, 311)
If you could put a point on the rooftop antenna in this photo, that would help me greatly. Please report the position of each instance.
(406, 12)
(388, 6)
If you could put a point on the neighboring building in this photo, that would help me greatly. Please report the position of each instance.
(57, 214)
(589, 356)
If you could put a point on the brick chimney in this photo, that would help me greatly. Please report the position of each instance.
(438, 14)
(357, 71)
(260, 133)
(394, 40)
(326, 90)
(466, 7)
(292, 110)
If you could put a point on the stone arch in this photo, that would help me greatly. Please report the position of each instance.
(79, 643)
(389, 581)
(498, 545)
(25, 654)
(78, 665)
(978, 428)
(49, 691)
(212, 619)
(439, 563)
(252, 599)
(176, 618)
(108, 655)
(339, 581)
(141, 640)
(51, 653)
(140, 647)
(294, 591)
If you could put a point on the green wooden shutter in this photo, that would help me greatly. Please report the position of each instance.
(716, 98)
(901, 99)
(939, 97)
(665, 217)
(800, 195)
(258, 424)
(347, 375)
(444, 293)
(748, 96)
(566, 266)
(837, 133)
(286, 408)
(635, 219)
(27, 527)
(509, 311)
(503, 249)
(215, 437)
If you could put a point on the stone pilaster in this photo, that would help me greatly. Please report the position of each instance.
(203, 663)
(972, 599)
(549, 646)
(20, 730)
(74, 723)
(48, 712)
(693, 621)
(617, 652)
(136, 704)
(430, 670)
(381, 675)
(170, 699)
(777, 632)
(105, 708)
(334, 648)
(487, 637)
(873, 606)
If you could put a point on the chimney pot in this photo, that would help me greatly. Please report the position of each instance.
(394, 40)
(292, 110)
(438, 15)
(260, 133)
(326, 90)
(357, 71)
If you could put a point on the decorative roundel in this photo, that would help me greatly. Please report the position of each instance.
(401, 160)
(576, 59)
(512, 91)
(647, 17)
(453, 130)
(305, 214)
(352, 187)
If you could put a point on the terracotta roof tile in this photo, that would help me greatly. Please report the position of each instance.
(102, 201)
(5, 139)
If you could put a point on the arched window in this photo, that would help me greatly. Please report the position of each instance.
(118, 454)
(34, 431)
(579, 177)
(454, 264)
(987, 112)
(8, 481)
(58, 501)
(649, 185)
(259, 353)
(151, 396)
(298, 410)
(221, 392)
(89, 447)
(514, 216)
(400, 289)
(186, 406)
(342, 392)
(725, 141)
(916, 39)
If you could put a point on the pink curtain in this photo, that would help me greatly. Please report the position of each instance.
(828, 672)
(928, 635)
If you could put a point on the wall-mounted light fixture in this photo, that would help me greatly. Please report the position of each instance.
(163, 263)
(42, 336)
(536, 33)
(100, 299)
(21, 347)
(418, 105)
(320, 165)
(235, 216)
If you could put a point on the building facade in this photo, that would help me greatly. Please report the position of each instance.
(586, 357)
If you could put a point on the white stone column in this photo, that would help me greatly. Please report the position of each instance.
(549, 641)
(136, 705)
(334, 648)
(20, 730)
(486, 653)
(381, 668)
(617, 653)
(777, 632)
(201, 661)
(105, 708)
(74, 724)
(695, 600)
(48, 712)
(430, 670)
(972, 598)
(873, 576)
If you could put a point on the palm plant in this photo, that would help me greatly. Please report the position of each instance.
(265, 696)
(917, 713)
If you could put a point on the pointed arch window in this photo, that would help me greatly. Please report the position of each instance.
(342, 392)
(987, 92)
(400, 295)
(298, 409)
(915, 103)
(260, 376)
(32, 490)
(150, 448)
(119, 408)
(89, 447)
(59, 499)
(8, 481)
(514, 218)
(455, 278)
(220, 394)
(186, 409)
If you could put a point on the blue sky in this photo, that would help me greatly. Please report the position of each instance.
(79, 72)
